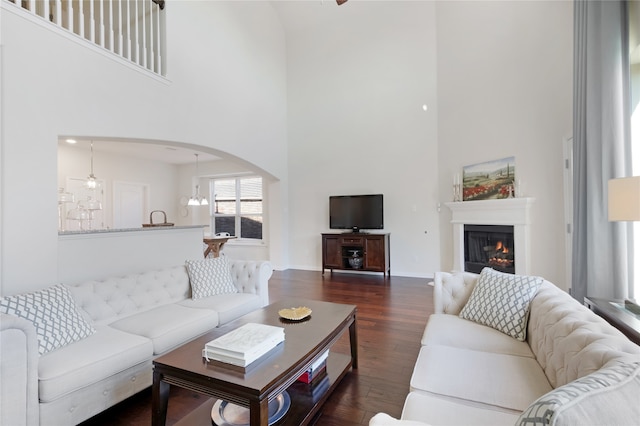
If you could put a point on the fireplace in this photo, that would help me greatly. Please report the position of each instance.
(511, 212)
(489, 245)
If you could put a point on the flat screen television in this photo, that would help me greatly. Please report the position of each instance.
(356, 212)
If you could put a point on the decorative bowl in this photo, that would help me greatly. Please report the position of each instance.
(295, 314)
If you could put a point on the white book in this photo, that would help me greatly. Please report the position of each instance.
(210, 355)
(247, 342)
(319, 362)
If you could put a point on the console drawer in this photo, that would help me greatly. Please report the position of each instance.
(352, 240)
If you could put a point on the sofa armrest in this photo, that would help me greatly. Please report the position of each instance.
(19, 404)
(252, 277)
(382, 419)
(451, 291)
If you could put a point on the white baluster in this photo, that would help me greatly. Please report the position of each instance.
(136, 35)
(112, 42)
(144, 35)
(92, 22)
(100, 18)
(58, 17)
(120, 29)
(127, 23)
(46, 9)
(161, 35)
(153, 8)
(158, 39)
(69, 16)
(80, 15)
(156, 42)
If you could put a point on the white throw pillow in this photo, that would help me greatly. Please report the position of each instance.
(608, 396)
(209, 277)
(54, 315)
(501, 301)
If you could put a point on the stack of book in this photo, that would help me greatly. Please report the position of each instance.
(244, 345)
(316, 369)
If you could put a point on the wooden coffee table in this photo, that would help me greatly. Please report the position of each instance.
(269, 376)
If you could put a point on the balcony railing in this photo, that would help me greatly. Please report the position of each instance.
(132, 29)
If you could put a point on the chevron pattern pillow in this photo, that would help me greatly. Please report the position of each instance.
(53, 313)
(501, 301)
(209, 277)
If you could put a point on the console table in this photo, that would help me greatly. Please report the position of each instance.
(613, 312)
(214, 244)
(372, 249)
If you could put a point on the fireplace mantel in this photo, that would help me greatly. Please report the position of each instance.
(508, 211)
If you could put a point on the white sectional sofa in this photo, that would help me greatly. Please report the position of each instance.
(573, 368)
(135, 318)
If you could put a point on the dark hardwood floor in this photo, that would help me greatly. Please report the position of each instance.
(392, 314)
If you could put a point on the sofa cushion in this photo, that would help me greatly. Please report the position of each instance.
(54, 315)
(608, 396)
(228, 306)
(209, 277)
(451, 330)
(439, 410)
(168, 326)
(101, 355)
(502, 301)
(507, 381)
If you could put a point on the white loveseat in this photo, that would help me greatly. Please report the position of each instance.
(136, 318)
(572, 369)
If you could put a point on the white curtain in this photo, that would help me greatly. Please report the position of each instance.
(602, 148)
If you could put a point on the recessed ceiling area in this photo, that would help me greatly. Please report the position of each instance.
(142, 150)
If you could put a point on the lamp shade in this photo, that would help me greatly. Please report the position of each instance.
(624, 199)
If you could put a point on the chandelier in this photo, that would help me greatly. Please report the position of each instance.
(196, 199)
(91, 180)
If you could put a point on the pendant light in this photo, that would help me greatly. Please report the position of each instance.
(91, 180)
(197, 200)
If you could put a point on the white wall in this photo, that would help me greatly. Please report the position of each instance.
(117, 253)
(358, 76)
(505, 89)
(226, 69)
(496, 77)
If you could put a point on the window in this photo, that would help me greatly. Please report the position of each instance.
(237, 206)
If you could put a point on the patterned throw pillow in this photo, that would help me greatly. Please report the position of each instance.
(53, 313)
(209, 277)
(501, 301)
(566, 404)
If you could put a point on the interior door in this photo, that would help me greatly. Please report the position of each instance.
(130, 205)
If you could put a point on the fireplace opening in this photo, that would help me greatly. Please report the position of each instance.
(489, 245)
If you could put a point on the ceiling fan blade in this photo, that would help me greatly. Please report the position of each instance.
(340, 2)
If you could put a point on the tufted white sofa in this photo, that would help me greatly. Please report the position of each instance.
(572, 369)
(137, 318)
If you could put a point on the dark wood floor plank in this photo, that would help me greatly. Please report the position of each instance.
(392, 314)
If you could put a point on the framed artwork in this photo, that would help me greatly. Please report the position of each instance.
(490, 180)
